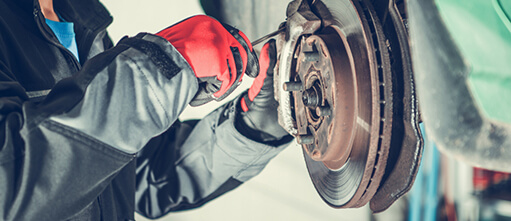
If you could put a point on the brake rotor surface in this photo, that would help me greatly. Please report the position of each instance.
(341, 85)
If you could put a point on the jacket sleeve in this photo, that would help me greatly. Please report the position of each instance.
(197, 161)
(56, 156)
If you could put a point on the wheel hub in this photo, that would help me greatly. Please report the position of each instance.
(324, 102)
(336, 84)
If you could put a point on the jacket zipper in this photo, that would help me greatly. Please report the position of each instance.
(44, 30)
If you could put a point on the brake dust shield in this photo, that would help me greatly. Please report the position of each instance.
(345, 91)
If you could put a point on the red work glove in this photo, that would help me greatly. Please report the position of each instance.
(218, 54)
(259, 117)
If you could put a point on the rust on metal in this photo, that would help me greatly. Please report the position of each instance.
(342, 98)
(316, 70)
(340, 104)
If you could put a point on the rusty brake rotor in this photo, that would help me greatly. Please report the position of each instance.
(341, 93)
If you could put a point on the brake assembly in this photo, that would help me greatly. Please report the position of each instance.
(345, 90)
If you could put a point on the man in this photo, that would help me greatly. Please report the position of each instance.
(89, 131)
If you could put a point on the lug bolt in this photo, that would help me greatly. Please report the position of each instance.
(305, 139)
(323, 111)
(293, 86)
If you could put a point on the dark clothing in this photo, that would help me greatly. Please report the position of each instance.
(69, 131)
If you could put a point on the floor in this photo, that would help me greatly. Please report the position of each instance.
(283, 191)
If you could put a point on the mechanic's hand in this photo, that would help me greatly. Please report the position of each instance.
(259, 105)
(218, 54)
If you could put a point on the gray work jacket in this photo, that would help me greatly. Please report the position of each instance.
(70, 132)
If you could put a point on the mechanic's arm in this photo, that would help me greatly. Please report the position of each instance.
(58, 155)
(194, 162)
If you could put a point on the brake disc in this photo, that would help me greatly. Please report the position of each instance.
(341, 88)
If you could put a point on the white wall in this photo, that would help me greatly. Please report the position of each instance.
(283, 191)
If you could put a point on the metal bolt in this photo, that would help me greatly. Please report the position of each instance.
(310, 98)
(293, 86)
(324, 111)
(305, 139)
(311, 56)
